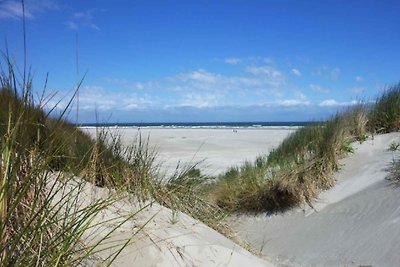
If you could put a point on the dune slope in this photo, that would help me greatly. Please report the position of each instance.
(355, 223)
(153, 235)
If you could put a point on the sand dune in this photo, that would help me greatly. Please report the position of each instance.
(356, 223)
(176, 239)
(154, 235)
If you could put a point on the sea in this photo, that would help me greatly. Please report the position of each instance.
(202, 125)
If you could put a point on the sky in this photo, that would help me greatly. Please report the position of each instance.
(206, 60)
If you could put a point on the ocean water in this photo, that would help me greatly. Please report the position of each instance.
(201, 125)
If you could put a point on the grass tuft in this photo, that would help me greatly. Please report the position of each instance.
(384, 117)
(303, 164)
(40, 156)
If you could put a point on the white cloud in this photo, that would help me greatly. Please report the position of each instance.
(82, 19)
(200, 75)
(257, 86)
(264, 70)
(359, 79)
(131, 106)
(12, 9)
(294, 102)
(232, 60)
(139, 85)
(301, 100)
(95, 97)
(334, 103)
(200, 100)
(296, 72)
(268, 60)
(335, 73)
(265, 79)
(202, 88)
(319, 88)
(247, 61)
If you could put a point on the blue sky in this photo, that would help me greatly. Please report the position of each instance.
(203, 60)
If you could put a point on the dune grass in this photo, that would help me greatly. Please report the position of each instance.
(41, 153)
(137, 173)
(37, 226)
(304, 163)
(384, 117)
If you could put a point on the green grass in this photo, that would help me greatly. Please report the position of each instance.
(41, 153)
(304, 163)
(394, 146)
(385, 115)
(41, 223)
(37, 227)
(138, 174)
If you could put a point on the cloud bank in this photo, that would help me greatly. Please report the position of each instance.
(258, 89)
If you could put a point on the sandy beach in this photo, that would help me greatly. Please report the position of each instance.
(215, 149)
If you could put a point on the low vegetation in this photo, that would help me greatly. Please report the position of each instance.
(38, 223)
(394, 146)
(384, 117)
(42, 153)
(394, 175)
(304, 163)
(394, 169)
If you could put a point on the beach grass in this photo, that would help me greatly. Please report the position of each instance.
(42, 153)
(137, 173)
(385, 115)
(41, 223)
(304, 163)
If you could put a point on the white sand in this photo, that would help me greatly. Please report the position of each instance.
(156, 235)
(217, 149)
(356, 223)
